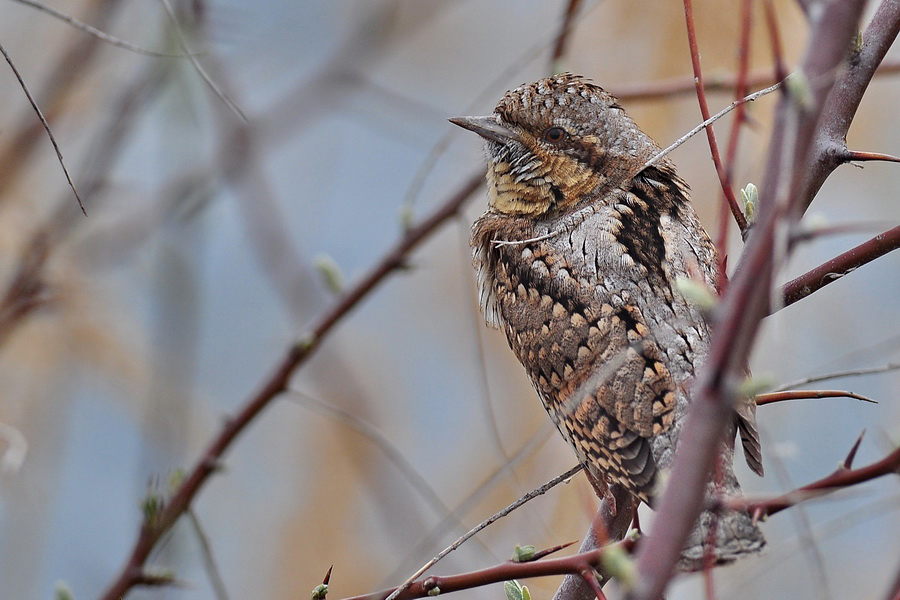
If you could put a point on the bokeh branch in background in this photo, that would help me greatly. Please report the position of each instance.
(174, 508)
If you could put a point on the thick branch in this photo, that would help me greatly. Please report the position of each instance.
(848, 91)
(746, 300)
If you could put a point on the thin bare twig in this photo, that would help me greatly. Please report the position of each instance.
(562, 39)
(839, 374)
(46, 126)
(105, 37)
(841, 478)
(176, 27)
(209, 561)
(749, 98)
(394, 456)
(673, 87)
(493, 518)
(581, 564)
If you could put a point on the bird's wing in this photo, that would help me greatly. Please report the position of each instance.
(573, 310)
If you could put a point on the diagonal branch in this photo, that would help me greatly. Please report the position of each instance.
(46, 126)
(840, 265)
(783, 195)
(724, 180)
(275, 384)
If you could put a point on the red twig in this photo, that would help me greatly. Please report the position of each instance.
(840, 265)
(740, 90)
(132, 573)
(577, 564)
(841, 478)
(773, 397)
(548, 551)
(736, 211)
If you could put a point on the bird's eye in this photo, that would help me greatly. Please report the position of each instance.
(554, 135)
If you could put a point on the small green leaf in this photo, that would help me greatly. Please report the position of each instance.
(160, 574)
(435, 591)
(175, 480)
(513, 590)
(856, 45)
(406, 216)
(152, 504)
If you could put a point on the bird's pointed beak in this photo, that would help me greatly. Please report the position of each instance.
(487, 127)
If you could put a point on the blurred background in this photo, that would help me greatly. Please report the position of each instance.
(127, 336)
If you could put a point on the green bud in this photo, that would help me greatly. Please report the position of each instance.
(618, 563)
(319, 592)
(523, 553)
(330, 272)
(753, 386)
(697, 293)
(750, 195)
(175, 480)
(798, 89)
(61, 591)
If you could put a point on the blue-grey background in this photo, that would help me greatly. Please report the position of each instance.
(196, 269)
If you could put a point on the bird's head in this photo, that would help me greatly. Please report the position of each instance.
(556, 142)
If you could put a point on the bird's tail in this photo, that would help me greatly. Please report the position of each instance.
(734, 531)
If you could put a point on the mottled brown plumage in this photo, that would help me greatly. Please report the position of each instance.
(578, 259)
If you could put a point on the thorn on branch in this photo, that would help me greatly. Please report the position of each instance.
(846, 155)
(848, 462)
(548, 551)
(773, 397)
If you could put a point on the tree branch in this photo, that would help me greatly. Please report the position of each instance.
(745, 303)
(575, 565)
(841, 478)
(132, 572)
(840, 265)
(724, 179)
